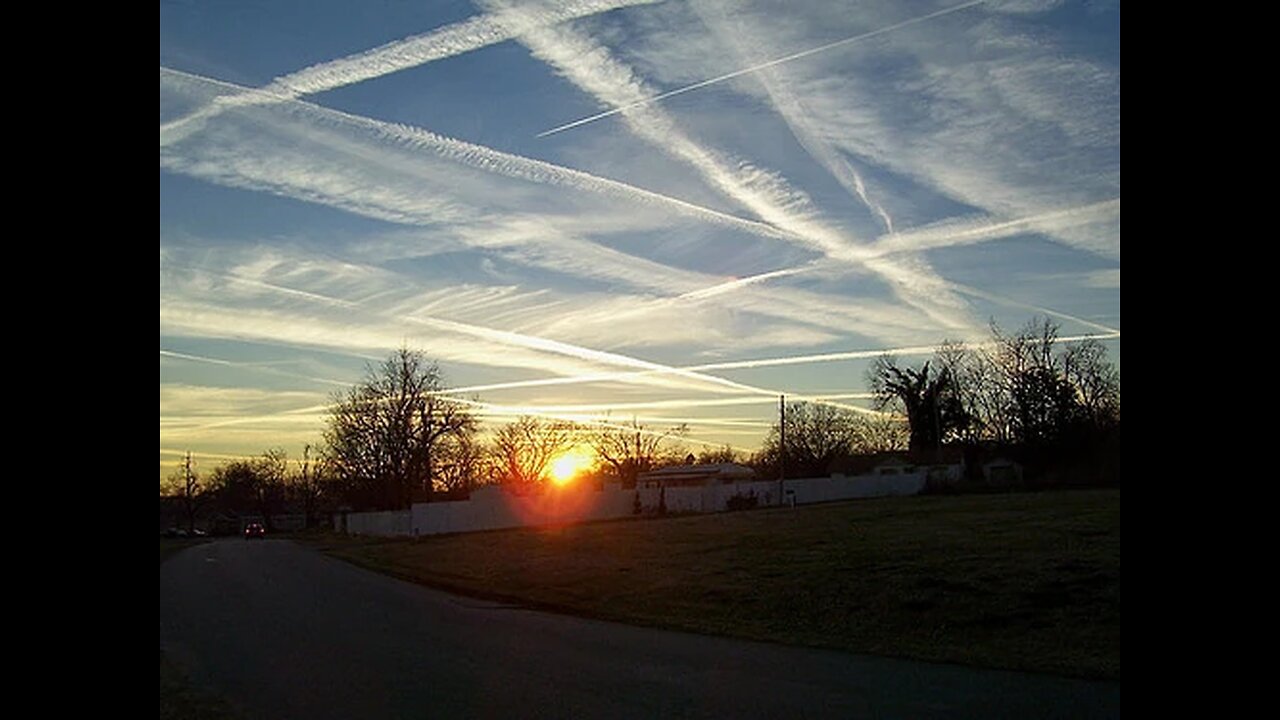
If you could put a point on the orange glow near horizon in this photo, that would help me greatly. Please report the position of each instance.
(566, 467)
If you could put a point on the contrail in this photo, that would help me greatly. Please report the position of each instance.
(514, 411)
(643, 368)
(951, 234)
(761, 192)
(509, 165)
(965, 232)
(761, 66)
(745, 364)
(455, 39)
(679, 404)
(732, 285)
(796, 116)
(591, 67)
(580, 414)
(250, 366)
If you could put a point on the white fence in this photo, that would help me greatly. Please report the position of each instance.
(493, 508)
(392, 522)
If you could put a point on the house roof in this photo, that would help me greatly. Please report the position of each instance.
(704, 471)
(863, 464)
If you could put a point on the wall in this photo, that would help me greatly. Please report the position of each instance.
(396, 522)
(492, 508)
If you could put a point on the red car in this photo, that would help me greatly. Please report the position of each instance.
(254, 530)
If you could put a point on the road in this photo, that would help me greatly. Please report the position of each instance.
(281, 631)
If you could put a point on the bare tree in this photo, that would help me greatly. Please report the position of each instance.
(725, 454)
(523, 450)
(816, 434)
(272, 470)
(307, 485)
(461, 463)
(631, 448)
(1095, 380)
(252, 485)
(982, 390)
(185, 485)
(382, 433)
(879, 433)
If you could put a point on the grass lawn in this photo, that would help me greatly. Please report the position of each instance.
(1027, 581)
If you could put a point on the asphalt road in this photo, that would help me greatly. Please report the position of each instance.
(281, 632)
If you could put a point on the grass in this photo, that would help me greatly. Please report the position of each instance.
(1025, 581)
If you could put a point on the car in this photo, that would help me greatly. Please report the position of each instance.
(254, 530)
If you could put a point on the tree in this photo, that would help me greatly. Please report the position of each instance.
(976, 389)
(272, 480)
(816, 434)
(929, 399)
(185, 485)
(631, 448)
(461, 463)
(1096, 382)
(724, 454)
(879, 433)
(523, 450)
(308, 484)
(255, 485)
(382, 433)
(1055, 394)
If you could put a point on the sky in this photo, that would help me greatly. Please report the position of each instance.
(669, 211)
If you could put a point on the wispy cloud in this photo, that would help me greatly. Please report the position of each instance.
(372, 178)
(592, 68)
(956, 232)
(758, 67)
(819, 202)
(264, 162)
(487, 346)
(455, 39)
(756, 363)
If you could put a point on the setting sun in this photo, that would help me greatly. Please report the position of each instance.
(567, 466)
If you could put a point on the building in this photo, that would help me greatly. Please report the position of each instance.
(697, 475)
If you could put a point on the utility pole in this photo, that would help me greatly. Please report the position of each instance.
(188, 493)
(782, 445)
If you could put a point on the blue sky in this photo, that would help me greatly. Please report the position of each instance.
(338, 179)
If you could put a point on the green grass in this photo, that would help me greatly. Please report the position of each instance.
(1026, 581)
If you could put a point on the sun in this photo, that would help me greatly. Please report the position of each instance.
(565, 467)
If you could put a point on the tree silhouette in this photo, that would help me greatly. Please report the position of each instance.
(185, 485)
(631, 448)
(930, 400)
(523, 450)
(382, 433)
(816, 434)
